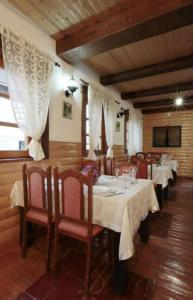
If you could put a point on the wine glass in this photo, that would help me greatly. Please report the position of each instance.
(117, 172)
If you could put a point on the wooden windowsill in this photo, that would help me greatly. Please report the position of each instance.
(15, 159)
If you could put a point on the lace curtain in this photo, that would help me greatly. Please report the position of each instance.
(110, 119)
(135, 132)
(28, 72)
(96, 100)
(95, 118)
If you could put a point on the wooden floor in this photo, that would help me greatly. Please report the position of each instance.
(160, 270)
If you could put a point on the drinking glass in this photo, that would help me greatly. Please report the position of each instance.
(117, 172)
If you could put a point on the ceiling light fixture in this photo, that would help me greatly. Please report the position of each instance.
(179, 101)
(122, 112)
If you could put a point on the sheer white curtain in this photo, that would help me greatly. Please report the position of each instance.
(95, 118)
(135, 131)
(110, 119)
(28, 71)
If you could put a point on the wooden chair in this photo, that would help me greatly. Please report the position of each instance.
(109, 166)
(126, 167)
(143, 166)
(133, 159)
(94, 163)
(69, 218)
(37, 203)
(141, 155)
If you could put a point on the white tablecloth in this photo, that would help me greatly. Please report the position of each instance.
(161, 175)
(172, 163)
(121, 213)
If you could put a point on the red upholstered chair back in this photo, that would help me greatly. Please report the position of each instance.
(133, 159)
(141, 155)
(69, 196)
(37, 188)
(126, 167)
(109, 166)
(94, 163)
(144, 169)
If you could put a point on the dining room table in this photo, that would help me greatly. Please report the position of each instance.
(173, 164)
(161, 175)
(118, 205)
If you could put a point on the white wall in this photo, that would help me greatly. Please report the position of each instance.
(61, 129)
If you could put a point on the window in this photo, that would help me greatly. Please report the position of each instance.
(169, 136)
(13, 142)
(102, 149)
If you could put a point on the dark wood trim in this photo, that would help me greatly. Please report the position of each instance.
(45, 139)
(103, 149)
(155, 69)
(7, 124)
(126, 118)
(163, 102)
(1, 63)
(4, 95)
(178, 87)
(19, 159)
(120, 25)
(11, 154)
(104, 146)
(83, 118)
(167, 109)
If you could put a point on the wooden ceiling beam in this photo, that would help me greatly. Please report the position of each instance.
(162, 102)
(175, 88)
(167, 109)
(124, 23)
(155, 69)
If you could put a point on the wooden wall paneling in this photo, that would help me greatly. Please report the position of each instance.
(119, 153)
(63, 155)
(184, 154)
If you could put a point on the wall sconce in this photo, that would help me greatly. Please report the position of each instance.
(122, 112)
(72, 87)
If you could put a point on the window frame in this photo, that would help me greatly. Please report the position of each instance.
(10, 155)
(126, 131)
(104, 147)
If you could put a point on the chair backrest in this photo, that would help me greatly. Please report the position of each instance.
(69, 188)
(144, 169)
(133, 159)
(155, 155)
(109, 166)
(93, 163)
(127, 168)
(37, 188)
(141, 155)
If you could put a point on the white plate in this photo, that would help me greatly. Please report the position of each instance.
(98, 189)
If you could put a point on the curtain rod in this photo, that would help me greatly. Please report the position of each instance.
(83, 81)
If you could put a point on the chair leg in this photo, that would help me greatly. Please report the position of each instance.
(87, 272)
(49, 235)
(24, 244)
(55, 263)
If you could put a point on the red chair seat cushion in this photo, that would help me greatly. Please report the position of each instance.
(37, 216)
(78, 229)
